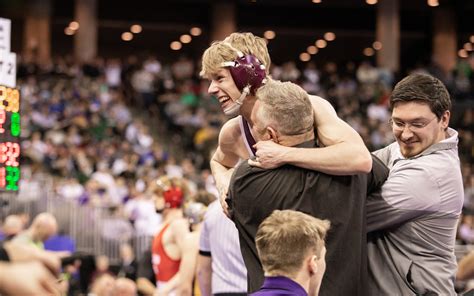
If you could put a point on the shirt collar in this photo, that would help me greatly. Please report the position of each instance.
(446, 144)
(283, 283)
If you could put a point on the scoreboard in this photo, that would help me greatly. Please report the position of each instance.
(9, 138)
(9, 114)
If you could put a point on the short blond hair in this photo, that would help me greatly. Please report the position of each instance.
(285, 105)
(227, 50)
(286, 238)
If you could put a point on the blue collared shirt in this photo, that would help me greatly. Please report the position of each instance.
(280, 285)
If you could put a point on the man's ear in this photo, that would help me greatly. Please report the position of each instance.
(312, 262)
(445, 119)
(273, 134)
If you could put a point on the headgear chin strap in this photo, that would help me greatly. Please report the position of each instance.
(235, 108)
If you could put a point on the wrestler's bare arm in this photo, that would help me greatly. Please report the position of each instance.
(226, 156)
(344, 153)
(204, 274)
(187, 269)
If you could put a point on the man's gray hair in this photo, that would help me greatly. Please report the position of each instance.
(286, 106)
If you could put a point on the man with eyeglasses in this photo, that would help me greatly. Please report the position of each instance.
(412, 225)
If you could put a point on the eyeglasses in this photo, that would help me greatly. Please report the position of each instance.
(399, 125)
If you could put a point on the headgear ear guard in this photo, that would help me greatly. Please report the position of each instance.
(173, 197)
(247, 71)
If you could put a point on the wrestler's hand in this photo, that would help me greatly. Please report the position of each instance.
(269, 155)
(222, 198)
(223, 189)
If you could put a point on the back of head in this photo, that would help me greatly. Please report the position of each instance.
(204, 197)
(197, 207)
(227, 50)
(103, 285)
(12, 225)
(286, 238)
(125, 287)
(425, 89)
(173, 190)
(285, 105)
(44, 225)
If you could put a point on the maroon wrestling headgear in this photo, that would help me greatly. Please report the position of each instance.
(247, 70)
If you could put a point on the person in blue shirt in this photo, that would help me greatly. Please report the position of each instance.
(291, 247)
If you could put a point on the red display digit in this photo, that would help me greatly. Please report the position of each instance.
(3, 117)
(2, 178)
(12, 153)
(3, 152)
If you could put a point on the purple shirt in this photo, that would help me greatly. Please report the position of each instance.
(280, 285)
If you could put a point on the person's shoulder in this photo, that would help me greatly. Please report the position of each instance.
(179, 224)
(213, 208)
(318, 101)
(242, 168)
(231, 126)
(230, 132)
(322, 107)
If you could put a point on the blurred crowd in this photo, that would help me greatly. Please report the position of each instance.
(107, 129)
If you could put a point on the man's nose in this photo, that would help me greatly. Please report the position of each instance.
(212, 88)
(406, 132)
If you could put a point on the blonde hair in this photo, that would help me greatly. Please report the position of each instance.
(228, 50)
(285, 105)
(286, 238)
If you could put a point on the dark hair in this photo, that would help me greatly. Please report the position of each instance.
(425, 89)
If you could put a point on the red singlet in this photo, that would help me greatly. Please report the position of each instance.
(163, 266)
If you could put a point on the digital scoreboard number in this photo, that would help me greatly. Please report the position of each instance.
(9, 114)
(9, 138)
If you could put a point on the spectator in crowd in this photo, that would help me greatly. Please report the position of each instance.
(283, 113)
(413, 224)
(60, 242)
(466, 267)
(194, 211)
(222, 64)
(128, 263)
(103, 285)
(292, 250)
(466, 228)
(43, 226)
(145, 274)
(221, 268)
(124, 287)
(11, 227)
(101, 267)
